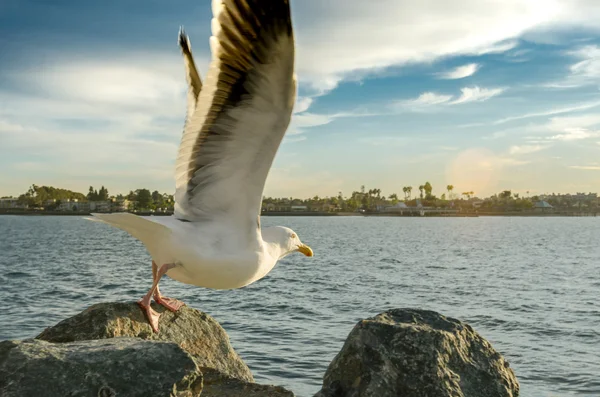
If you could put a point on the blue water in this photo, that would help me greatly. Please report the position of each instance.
(529, 285)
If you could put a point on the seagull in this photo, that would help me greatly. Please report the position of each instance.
(234, 125)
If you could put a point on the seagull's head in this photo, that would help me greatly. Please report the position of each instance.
(286, 240)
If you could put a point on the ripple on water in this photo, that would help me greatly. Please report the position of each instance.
(529, 285)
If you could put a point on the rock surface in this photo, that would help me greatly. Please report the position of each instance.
(410, 353)
(107, 368)
(219, 385)
(197, 333)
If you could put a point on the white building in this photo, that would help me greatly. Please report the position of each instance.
(9, 202)
(99, 206)
(73, 205)
(398, 207)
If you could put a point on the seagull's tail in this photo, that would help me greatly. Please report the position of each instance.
(142, 229)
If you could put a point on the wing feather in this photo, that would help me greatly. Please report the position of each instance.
(242, 113)
(191, 73)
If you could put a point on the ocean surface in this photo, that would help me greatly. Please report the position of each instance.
(531, 286)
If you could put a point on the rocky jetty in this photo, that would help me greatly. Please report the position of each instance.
(109, 367)
(417, 353)
(110, 350)
(195, 332)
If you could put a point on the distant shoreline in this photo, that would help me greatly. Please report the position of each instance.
(411, 214)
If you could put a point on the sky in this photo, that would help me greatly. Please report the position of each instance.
(486, 95)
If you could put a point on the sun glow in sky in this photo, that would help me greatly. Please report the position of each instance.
(486, 96)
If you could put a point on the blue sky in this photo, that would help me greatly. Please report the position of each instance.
(484, 95)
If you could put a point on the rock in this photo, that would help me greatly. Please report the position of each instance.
(197, 333)
(219, 385)
(107, 368)
(410, 353)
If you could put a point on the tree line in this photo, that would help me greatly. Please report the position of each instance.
(50, 197)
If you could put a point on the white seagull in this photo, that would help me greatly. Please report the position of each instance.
(234, 126)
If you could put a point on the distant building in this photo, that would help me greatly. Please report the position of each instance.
(477, 204)
(120, 205)
(299, 208)
(99, 206)
(73, 205)
(398, 207)
(10, 202)
(542, 206)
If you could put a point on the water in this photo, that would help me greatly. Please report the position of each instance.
(528, 285)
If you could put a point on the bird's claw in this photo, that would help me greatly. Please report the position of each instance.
(151, 315)
(171, 304)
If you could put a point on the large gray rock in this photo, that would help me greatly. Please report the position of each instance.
(410, 353)
(197, 333)
(107, 368)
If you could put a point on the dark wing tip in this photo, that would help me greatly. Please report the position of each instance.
(184, 41)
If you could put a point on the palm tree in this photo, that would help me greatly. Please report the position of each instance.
(421, 187)
(409, 190)
(450, 188)
(428, 189)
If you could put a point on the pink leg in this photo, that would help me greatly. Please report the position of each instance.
(169, 303)
(146, 300)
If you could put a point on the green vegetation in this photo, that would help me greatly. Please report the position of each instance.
(38, 196)
(371, 200)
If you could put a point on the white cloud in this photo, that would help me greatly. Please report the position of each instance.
(294, 138)
(121, 116)
(586, 167)
(584, 72)
(578, 121)
(429, 99)
(551, 112)
(477, 94)
(589, 65)
(426, 99)
(575, 134)
(302, 104)
(526, 149)
(307, 120)
(499, 48)
(460, 72)
(339, 38)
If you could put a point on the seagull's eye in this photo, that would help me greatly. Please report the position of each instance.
(293, 235)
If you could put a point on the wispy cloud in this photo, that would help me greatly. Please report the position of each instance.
(294, 138)
(585, 71)
(589, 65)
(430, 31)
(586, 167)
(499, 48)
(477, 94)
(468, 94)
(460, 72)
(426, 99)
(545, 113)
(526, 149)
(575, 134)
(302, 104)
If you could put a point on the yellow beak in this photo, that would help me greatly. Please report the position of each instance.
(306, 250)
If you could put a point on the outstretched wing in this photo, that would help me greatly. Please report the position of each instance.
(242, 113)
(191, 74)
